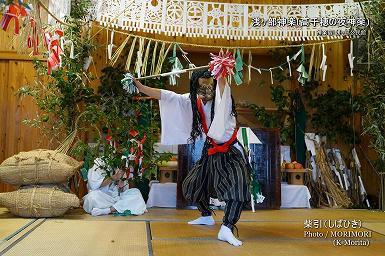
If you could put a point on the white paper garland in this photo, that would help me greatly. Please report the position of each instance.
(227, 20)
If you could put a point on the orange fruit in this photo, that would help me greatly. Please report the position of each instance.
(289, 166)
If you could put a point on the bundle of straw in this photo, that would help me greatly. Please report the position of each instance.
(336, 197)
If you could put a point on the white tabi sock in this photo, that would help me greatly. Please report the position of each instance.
(99, 211)
(226, 235)
(204, 220)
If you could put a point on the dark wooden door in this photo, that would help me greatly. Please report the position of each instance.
(265, 161)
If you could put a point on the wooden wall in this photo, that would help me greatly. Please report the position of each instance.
(15, 136)
(16, 70)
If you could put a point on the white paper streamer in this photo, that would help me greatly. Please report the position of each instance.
(129, 84)
(323, 66)
(126, 158)
(351, 58)
(71, 44)
(87, 63)
(271, 76)
(190, 72)
(213, 19)
(62, 47)
(110, 45)
(297, 54)
(288, 63)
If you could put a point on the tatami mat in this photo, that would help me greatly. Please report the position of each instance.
(263, 247)
(247, 231)
(265, 232)
(283, 215)
(10, 226)
(71, 237)
(377, 227)
(312, 214)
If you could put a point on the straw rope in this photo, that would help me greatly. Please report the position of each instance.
(331, 189)
(214, 46)
(66, 144)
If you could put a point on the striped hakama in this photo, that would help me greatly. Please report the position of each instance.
(227, 174)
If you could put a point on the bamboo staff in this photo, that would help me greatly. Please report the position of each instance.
(173, 72)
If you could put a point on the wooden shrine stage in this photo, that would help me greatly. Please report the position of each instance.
(165, 232)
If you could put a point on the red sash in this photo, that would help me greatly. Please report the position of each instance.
(215, 147)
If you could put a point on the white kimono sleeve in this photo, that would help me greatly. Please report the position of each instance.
(95, 176)
(176, 118)
(222, 110)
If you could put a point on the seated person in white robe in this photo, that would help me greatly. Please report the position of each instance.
(103, 193)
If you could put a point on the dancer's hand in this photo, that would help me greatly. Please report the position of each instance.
(152, 92)
(118, 175)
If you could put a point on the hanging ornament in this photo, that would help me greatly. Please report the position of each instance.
(125, 158)
(256, 191)
(184, 55)
(249, 67)
(111, 45)
(162, 57)
(139, 57)
(351, 58)
(33, 39)
(54, 49)
(288, 63)
(323, 66)
(133, 133)
(71, 44)
(118, 51)
(129, 84)
(14, 11)
(109, 137)
(190, 72)
(153, 67)
(238, 76)
(145, 60)
(129, 57)
(303, 76)
(271, 76)
(131, 156)
(222, 64)
(311, 63)
(87, 63)
(247, 137)
(298, 53)
(176, 66)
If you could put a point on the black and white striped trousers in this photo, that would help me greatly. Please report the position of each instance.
(233, 211)
(225, 176)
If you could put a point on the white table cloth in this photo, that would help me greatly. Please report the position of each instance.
(162, 195)
(294, 196)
